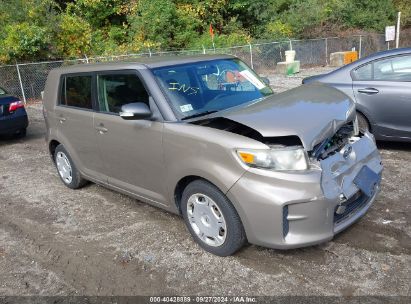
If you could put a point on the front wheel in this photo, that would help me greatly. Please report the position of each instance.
(212, 219)
(363, 124)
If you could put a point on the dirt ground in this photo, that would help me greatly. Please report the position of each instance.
(93, 241)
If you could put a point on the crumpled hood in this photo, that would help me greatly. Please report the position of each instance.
(312, 112)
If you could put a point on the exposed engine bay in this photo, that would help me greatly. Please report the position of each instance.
(335, 143)
(327, 147)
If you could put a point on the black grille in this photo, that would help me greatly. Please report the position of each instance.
(354, 204)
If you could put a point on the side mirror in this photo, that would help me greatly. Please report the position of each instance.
(265, 80)
(134, 111)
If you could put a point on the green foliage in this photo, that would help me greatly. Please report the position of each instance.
(73, 36)
(24, 41)
(306, 14)
(365, 14)
(26, 29)
(152, 24)
(40, 29)
(278, 29)
(404, 7)
(99, 13)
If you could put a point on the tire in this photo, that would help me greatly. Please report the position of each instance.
(67, 170)
(215, 224)
(21, 133)
(363, 123)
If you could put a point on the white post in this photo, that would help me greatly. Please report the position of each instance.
(360, 49)
(149, 51)
(21, 83)
(204, 51)
(397, 40)
(326, 51)
(251, 55)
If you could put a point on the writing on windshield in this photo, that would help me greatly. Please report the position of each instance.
(209, 86)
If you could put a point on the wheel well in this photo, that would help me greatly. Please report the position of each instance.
(52, 147)
(366, 118)
(181, 185)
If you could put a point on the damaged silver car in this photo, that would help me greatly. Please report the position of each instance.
(205, 137)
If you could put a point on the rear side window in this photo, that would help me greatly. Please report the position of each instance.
(76, 92)
(116, 90)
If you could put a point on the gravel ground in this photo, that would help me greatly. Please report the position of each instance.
(93, 241)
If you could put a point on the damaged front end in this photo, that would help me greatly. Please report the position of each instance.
(340, 183)
(293, 206)
(351, 171)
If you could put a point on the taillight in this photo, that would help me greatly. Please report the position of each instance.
(16, 105)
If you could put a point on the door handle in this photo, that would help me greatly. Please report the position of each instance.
(369, 91)
(101, 129)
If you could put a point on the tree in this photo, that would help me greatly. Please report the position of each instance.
(40, 29)
(73, 36)
(24, 41)
(26, 29)
(152, 24)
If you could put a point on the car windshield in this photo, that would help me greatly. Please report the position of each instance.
(2, 91)
(200, 88)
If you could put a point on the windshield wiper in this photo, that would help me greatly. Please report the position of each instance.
(199, 114)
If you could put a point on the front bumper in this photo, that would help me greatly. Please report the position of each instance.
(295, 209)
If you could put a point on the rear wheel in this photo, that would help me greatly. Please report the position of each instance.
(67, 170)
(21, 133)
(363, 123)
(212, 219)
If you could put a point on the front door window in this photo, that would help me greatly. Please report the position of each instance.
(116, 90)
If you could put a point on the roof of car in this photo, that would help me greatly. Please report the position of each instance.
(392, 52)
(376, 56)
(150, 62)
(341, 73)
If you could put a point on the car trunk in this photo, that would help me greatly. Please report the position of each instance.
(5, 102)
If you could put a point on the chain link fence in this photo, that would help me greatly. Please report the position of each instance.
(27, 80)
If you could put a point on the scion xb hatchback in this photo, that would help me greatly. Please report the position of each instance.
(206, 138)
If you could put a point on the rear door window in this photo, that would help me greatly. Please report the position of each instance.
(76, 91)
(389, 69)
(116, 90)
(393, 69)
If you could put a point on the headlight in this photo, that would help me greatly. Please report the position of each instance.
(286, 158)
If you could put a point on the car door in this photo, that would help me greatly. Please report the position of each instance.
(131, 149)
(382, 89)
(74, 118)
